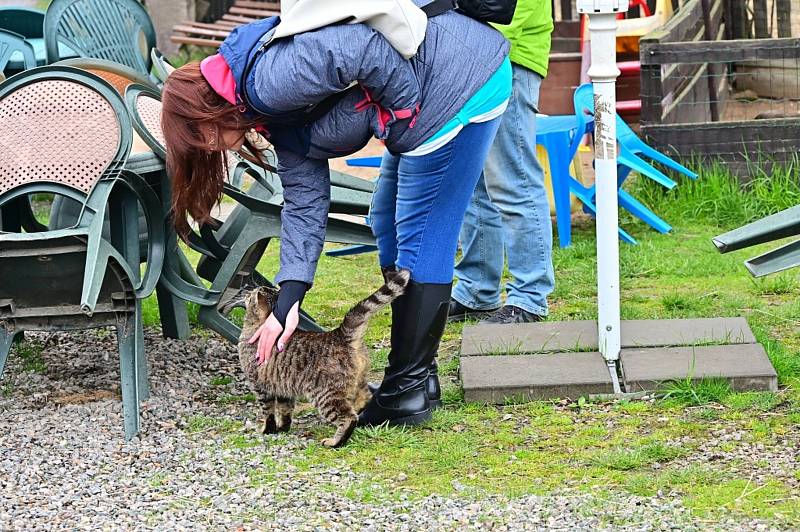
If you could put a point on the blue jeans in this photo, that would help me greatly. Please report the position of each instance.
(509, 213)
(420, 201)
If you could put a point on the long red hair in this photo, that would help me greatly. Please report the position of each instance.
(193, 117)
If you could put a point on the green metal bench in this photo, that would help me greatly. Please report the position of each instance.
(774, 227)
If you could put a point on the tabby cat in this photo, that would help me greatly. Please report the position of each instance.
(328, 368)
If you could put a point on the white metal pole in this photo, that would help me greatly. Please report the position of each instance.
(604, 72)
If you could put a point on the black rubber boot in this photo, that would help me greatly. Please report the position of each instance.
(418, 320)
(432, 386)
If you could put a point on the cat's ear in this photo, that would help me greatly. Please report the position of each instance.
(263, 306)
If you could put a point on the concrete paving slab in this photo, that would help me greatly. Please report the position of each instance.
(745, 366)
(551, 337)
(494, 379)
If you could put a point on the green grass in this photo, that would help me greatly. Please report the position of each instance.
(620, 448)
(626, 458)
(30, 352)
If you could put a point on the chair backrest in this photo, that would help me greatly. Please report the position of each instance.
(25, 21)
(61, 130)
(583, 100)
(115, 30)
(161, 67)
(144, 106)
(583, 103)
(12, 43)
(119, 76)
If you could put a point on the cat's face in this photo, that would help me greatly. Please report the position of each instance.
(259, 303)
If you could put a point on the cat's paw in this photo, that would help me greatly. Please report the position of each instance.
(330, 442)
(270, 427)
(285, 424)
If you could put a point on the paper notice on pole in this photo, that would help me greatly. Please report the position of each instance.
(605, 145)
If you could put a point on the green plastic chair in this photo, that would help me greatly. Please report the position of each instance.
(118, 75)
(73, 141)
(26, 21)
(64, 211)
(12, 44)
(232, 249)
(115, 30)
(161, 67)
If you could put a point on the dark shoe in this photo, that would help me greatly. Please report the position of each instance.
(511, 314)
(459, 312)
(418, 320)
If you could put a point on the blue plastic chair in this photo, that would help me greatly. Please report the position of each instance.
(561, 137)
(555, 133)
(627, 138)
(583, 99)
(372, 162)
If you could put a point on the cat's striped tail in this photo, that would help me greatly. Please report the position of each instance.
(355, 321)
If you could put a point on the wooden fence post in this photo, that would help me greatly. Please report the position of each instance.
(740, 21)
(784, 8)
(761, 19)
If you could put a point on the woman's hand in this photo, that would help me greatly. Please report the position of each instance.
(271, 330)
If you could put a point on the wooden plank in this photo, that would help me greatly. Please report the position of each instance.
(217, 25)
(258, 13)
(741, 146)
(652, 93)
(678, 27)
(760, 19)
(718, 51)
(784, 8)
(238, 18)
(195, 41)
(254, 4)
(707, 34)
(227, 24)
(194, 30)
(566, 9)
(738, 18)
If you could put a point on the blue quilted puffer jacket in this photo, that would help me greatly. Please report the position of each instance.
(403, 102)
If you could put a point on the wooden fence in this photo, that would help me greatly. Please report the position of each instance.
(688, 77)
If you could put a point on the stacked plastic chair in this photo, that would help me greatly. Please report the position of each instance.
(115, 30)
(11, 45)
(65, 131)
(562, 137)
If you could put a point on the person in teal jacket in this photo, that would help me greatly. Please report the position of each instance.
(509, 215)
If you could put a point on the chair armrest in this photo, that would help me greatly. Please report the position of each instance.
(156, 235)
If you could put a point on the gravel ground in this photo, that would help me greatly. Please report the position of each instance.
(64, 464)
